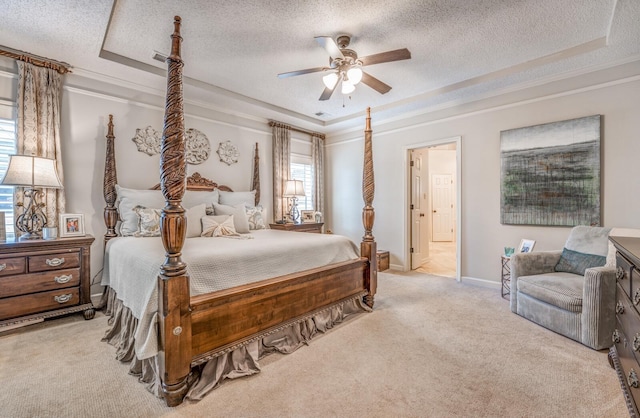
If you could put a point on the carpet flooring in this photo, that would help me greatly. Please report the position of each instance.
(432, 347)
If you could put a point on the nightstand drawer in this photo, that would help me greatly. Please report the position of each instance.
(38, 302)
(13, 265)
(39, 282)
(54, 261)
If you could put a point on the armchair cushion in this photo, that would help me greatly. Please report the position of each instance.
(564, 290)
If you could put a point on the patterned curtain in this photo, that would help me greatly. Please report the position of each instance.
(38, 132)
(317, 157)
(281, 168)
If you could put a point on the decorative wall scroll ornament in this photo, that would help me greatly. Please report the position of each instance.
(228, 152)
(148, 140)
(198, 147)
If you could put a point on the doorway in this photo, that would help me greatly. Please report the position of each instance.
(434, 207)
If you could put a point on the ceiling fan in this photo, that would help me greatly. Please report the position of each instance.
(346, 67)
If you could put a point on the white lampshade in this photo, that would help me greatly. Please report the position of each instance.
(30, 171)
(354, 74)
(294, 188)
(330, 80)
(347, 87)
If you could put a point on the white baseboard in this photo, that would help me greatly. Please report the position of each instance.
(481, 282)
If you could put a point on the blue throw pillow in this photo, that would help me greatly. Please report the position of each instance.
(577, 263)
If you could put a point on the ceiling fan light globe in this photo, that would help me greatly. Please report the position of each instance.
(330, 80)
(355, 75)
(347, 87)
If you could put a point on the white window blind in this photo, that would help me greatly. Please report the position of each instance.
(302, 169)
(7, 148)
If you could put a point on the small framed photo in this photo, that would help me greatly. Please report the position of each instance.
(308, 216)
(526, 246)
(71, 225)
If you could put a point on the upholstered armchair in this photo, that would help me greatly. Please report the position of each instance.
(571, 291)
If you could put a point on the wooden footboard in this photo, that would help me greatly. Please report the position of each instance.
(224, 320)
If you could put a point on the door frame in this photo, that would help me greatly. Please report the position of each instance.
(407, 195)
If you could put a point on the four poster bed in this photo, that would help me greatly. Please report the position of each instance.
(188, 323)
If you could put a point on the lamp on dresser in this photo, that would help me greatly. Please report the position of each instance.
(293, 190)
(33, 173)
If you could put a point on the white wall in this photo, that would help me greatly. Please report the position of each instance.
(483, 237)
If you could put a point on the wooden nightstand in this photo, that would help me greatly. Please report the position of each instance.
(44, 278)
(309, 227)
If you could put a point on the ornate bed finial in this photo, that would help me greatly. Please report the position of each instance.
(109, 185)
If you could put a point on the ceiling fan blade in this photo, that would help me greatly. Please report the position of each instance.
(300, 72)
(326, 94)
(396, 55)
(374, 83)
(330, 45)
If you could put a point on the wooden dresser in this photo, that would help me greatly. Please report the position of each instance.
(624, 355)
(42, 279)
(308, 227)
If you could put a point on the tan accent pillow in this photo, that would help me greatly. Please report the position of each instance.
(218, 226)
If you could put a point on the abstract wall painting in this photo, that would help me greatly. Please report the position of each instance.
(550, 173)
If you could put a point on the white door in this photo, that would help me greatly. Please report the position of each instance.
(419, 246)
(442, 203)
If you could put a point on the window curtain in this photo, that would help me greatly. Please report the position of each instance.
(38, 130)
(281, 168)
(317, 158)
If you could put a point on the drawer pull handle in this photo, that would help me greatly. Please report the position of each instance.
(636, 296)
(63, 279)
(54, 262)
(636, 342)
(620, 273)
(616, 336)
(3, 266)
(619, 308)
(632, 378)
(63, 298)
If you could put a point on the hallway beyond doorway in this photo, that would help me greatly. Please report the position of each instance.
(442, 259)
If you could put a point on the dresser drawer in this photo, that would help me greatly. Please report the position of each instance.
(54, 261)
(13, 265)
(629, 369)
(623, 273)
(38, 282)
(629, 322)
(38, 302)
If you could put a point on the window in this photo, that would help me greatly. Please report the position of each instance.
(302, 169)
(7, 148)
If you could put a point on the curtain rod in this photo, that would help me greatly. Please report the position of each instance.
(61, 67)
(273, 123)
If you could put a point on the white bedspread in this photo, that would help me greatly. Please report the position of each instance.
(132, 265)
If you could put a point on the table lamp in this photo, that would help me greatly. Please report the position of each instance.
(33, 173)
(294, 189)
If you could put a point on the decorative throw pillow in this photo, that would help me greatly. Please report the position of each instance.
(239, 216)
(577, 263)
(193, 198)
(194, 227)
(255, 216)
(218, 226)
(127, 200)
(148, 222)
(586, 247)
(235, 198)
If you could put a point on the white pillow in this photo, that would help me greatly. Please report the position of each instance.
(194, 226)
(239, 215)
(218, 226)
(192, 198)
(235, 198)
(128, 199)
(255, 216)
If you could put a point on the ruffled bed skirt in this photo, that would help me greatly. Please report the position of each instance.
(241, 361)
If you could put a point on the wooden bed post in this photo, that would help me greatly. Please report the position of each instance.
(174, 359)
(368, 245)
(255, 180)
(109, 185)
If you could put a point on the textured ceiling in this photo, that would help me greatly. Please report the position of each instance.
(233, 50)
